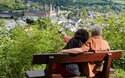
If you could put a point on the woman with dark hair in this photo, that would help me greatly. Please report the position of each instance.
(80, 37)
(71, 69)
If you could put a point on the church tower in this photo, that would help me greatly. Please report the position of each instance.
(50, 10)
(52, 7)
(81, 13)
(57, 10)
(77, 12)
(44, 10)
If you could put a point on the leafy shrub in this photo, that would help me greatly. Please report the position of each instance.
(114, 34)
(17, 49)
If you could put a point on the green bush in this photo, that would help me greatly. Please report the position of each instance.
(114, 34)
(18, 48)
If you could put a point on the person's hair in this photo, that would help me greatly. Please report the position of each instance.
(82, 34)
(97, 30)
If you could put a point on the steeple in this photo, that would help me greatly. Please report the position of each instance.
(57, 10)
(50, 10)
(44, 10)
(52, 7)
(81, 13)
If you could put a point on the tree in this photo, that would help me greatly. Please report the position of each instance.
(23, 13)
(34, 5)
(40, 22)
(12, 17)
(26, 1)
(85, 13)
(30, 21)
(2, 23)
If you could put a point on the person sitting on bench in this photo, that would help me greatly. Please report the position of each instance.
(71, 69)
(94, 44)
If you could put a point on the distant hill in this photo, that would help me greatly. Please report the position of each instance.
(86, 1)
(57, 2)
(68, 2)
(119, 1)
(94, 1)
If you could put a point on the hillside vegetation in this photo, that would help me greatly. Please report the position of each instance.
(101, 1)
(86, 1)
(11, 5)
(70, 1)
(119, 1)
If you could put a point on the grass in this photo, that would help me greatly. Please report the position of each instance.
(119, 73)
(4, 18)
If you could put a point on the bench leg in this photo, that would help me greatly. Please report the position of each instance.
(48, 71)
(107, 64)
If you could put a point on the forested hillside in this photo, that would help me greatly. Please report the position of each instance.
(56, 2)
(87, 1)
(65, 2)
(11, 5)
(119, 1)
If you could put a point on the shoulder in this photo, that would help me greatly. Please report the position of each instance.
(90, 39)
(73, 40)
(76, 42)
(104, 41)
(67, 38)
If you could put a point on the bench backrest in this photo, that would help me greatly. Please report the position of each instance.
(69, 58)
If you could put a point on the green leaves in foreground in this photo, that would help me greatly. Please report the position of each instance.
(17, 49)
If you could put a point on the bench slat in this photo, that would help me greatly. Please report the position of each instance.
(85, 57)
(35, 74)
(40, 74)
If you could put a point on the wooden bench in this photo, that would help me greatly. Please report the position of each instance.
(49, 59)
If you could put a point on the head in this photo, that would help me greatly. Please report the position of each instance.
(96, 31)
(82, 34)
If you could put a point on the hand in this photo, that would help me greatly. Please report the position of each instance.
(59, 30)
